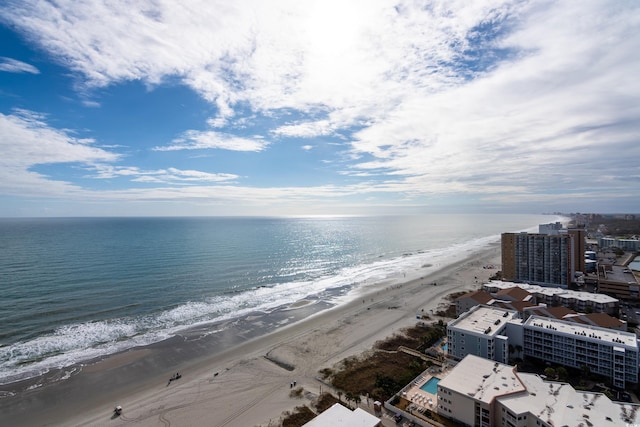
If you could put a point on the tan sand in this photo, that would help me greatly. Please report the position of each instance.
(242, 388)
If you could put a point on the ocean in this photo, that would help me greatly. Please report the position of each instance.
(74, 289)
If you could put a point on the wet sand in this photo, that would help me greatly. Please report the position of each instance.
(240, 376)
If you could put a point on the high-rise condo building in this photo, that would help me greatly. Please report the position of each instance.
(543, 259)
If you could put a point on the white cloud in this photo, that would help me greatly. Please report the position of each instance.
(27, 141)
(306, 129)
(281, 54)
(557, 115)
(91, 104)
(11, 65)
(195, 140)
(161, 176)
(492, 98)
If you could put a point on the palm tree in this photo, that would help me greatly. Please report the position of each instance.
(348, 397)
(561, 373)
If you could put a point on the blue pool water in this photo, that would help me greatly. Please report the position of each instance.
(445, 347)
(431, 386)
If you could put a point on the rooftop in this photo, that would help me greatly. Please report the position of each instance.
(482, 379)
(484, 320)
(598, 319)
(481, 296)
(560, 404)
(339, 416)
(519, 306)
(547, 291)
(515, 292)
(544, 311)
(587, 331)
(621, 274)
(555, 403)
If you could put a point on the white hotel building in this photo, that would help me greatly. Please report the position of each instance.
(553, 296)
(484, 331)
(606, 352)
(489, 332)
(482, 393)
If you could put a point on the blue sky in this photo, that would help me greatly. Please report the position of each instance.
(318, 107)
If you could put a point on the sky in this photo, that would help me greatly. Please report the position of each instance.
(171, 108)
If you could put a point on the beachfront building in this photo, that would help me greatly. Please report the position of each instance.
(543, 259)
(468, 393)
(485, 332)
(596, 306)
(469, 300)
(339, 416)
(512, 299)
(628, 245)
(583, 302)
(494, 333)
(513, 294)
(608, 352)
(482, 393)
(553, 228)
(602, 320)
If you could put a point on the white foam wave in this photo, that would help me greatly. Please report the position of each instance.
(76, 343)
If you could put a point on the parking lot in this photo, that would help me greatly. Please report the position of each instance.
(630, 314)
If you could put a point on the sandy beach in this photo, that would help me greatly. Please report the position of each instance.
(240, 385)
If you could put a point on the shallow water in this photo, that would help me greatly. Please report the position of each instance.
(77, 288)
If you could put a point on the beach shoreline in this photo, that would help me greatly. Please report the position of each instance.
(232, 382)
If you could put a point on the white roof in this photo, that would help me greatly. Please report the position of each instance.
(587, 332)
(560, 404)
(482, 379)
(339, 416)
(555, 403)
(560, 292)
(484, 320)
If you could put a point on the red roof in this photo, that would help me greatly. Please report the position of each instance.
(598, 319)
(481, 297)
(516, 293)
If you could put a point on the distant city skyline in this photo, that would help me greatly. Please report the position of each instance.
(318, 108)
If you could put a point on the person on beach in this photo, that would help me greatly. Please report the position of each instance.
(175, 377)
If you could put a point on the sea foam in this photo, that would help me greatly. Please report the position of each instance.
(77, 342)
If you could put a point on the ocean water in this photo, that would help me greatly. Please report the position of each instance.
(72, 289)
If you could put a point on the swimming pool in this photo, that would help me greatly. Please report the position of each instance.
(431, 386)
(445, 347)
